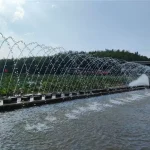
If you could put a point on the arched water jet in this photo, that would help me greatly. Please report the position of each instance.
(41, 48)
(49, 67)
(41, 68)
(21, 51)
(142, 80)
(77, 66)
(52, 68)
(24, 63)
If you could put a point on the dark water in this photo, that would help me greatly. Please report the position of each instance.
(116, 122)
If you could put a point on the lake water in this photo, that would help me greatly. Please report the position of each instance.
(114, 122)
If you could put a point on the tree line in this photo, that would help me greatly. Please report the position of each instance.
(119, 54)
(59, 63)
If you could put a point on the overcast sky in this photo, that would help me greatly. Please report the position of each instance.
(79, 25)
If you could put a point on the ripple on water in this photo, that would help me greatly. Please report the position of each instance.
(39, 127)
(116, 102)
(51, 118)
(94, 106)
(71, 116)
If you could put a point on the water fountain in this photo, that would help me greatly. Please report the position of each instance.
(33, 74)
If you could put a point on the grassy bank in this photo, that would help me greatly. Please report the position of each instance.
(56, 83)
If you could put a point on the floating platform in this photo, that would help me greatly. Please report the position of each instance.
(13, 103)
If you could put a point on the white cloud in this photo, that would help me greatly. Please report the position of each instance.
(29, 34)
(18, 14)
(12, 10)
(1, 6)
(53, 6)
(18, 2)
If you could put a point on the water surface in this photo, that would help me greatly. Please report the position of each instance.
(115, 122)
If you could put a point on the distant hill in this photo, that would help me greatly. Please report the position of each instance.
(120, 54)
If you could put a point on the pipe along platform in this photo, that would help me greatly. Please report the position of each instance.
(13, 103)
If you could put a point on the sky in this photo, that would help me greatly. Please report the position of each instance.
(79, 25)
